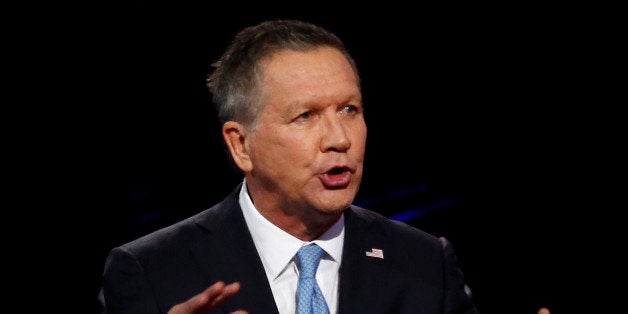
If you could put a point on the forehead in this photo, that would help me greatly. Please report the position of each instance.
(319, 75)
(323, 63)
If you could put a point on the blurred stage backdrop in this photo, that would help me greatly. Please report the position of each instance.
(465, 140)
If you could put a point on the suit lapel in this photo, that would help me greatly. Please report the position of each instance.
(226, 252)
(363, 278)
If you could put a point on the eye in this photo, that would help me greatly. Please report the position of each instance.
(305, 116)
(350, 109)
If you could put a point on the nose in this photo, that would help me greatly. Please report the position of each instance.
(334, 134)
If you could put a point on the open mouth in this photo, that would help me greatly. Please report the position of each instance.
(336, 178)
(336, 171)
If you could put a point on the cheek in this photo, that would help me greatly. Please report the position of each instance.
(284, 151)
(359, 141)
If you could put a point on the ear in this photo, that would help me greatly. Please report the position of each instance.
(234, 135)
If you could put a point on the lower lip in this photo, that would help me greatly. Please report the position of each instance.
(336, 181)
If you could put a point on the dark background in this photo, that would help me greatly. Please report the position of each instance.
(473, 131)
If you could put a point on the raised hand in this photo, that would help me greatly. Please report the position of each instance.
(208, 300)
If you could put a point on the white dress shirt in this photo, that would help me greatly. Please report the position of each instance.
(277, 250)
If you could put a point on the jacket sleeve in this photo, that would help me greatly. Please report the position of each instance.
(125, 288)
(457, 294)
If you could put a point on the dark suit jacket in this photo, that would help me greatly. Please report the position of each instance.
(418, 274)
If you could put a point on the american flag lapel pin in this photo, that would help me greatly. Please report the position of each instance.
(375, 253)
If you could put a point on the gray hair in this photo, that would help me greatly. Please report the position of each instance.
(235, 81)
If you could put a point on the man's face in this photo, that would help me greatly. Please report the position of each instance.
(307, 149)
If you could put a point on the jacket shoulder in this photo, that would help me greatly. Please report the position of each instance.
(393, 229)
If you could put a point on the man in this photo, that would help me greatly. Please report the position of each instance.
(288, 95)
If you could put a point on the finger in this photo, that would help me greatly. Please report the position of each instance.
(201, 302)
(204, 299)
(543, 311)
(228, 291)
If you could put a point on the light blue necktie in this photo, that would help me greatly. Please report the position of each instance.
(310, 299)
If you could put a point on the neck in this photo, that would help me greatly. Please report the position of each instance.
(303, 227)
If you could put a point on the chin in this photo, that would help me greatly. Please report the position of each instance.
(331, 212)
(336, 207)
(334, 201)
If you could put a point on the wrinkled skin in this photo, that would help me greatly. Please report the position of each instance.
(303, 161)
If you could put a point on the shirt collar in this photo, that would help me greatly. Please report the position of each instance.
(277, 247)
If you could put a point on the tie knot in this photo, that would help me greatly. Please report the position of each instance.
(308, 258)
